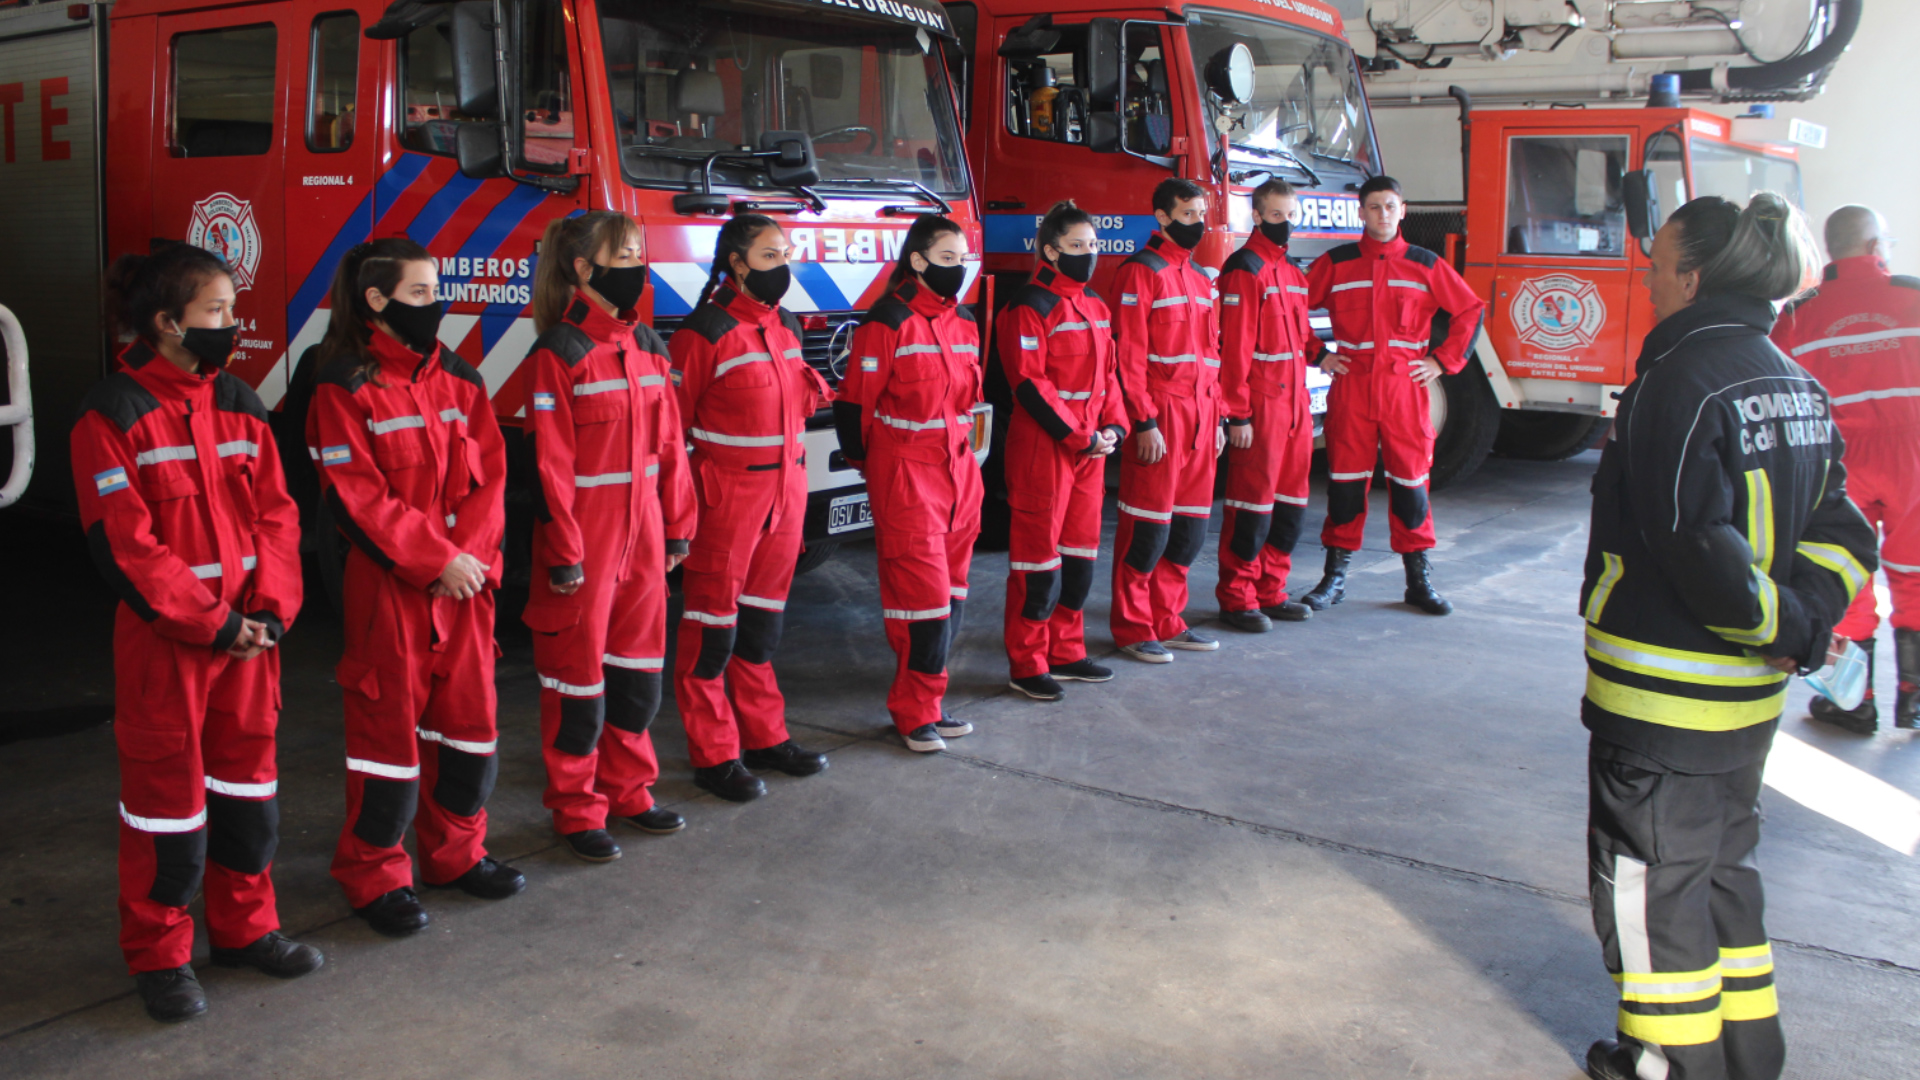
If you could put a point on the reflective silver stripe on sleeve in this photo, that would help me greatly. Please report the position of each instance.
(604, 386)
(462, 745)
(793, 353)
(736, 440)
(206, 570)
(653, 469)
(248, 562)
(603, 480)
(448, 416)
(1212, 361)
(1403, 283)
(238, 446)
(1102, 323)
(313, 452)
(165, 453)
(743, 358)
(398, 423)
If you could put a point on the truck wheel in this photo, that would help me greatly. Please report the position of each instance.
(329, 556)
(811, 557)
(1466, 419)
(1547, 436)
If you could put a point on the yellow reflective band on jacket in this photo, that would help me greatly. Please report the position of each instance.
(1683, 1029)
(1680, 665)
(1760, 518)
(1691, 713)
(1839, 560)
(1769, 625)
(1750, 1004)
(1669, 987)
(1603, 589)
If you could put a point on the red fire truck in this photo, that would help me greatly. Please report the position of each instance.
(280, 133)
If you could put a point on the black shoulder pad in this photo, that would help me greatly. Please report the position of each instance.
(710, 321)
(451, 363)
(577, 310)
(120, 398)
(792, 322)
(1418, 254)
(1089, 291)
(1244, 260)
(232, 395)
(965, 311)
(566, 341)
(649, 340)
(1038, 297)
(1798, 300)
(1906, 282)
(1344, 253)
(345, 372)
(1831, 273)
(1152, 260)
(890, 312)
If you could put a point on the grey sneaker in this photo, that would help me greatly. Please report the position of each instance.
(1151, 652)
(951, 727)
(1253, 622)
(925, 739)
(1191, 641)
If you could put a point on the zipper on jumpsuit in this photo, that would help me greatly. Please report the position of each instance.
(441, 445)
(215, 505)
(635, 469)
(788, 449)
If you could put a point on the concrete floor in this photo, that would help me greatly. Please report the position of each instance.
(1348, 848)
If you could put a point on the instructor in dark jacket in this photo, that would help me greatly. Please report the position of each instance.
(1722, 552)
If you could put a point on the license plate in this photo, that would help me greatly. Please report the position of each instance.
(849, 512)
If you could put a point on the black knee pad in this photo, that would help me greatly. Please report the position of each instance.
(242, 834)
(179, 860)
(386, 809)
(579, 732)
(716, 648)
(1149, 542)
(1076, 581)
(1287, 523)
(759, 634)
(465, 780)
(633, 698)
(1185, 538)
(1409, 504)
(1346, 499)
(1250, 529)
(1043, 591)
(927, 646)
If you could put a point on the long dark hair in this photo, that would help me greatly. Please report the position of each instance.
(376, 264)
(736, 238)
(920, 237)
(1063, 215)
(567, 239)
(1764, 251)
(140, 287)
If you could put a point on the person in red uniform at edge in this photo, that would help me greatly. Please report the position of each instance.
(904, 414)
(188, 518)
(1387, 299)
(1056, 347)
(1170, 378)
(745, 396)
(412, 467)
(1859, 334)
(1265, 343)
(616, 514)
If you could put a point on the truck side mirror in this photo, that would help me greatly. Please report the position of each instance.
(477, 149)
(1035, 37)
(796, 165)
(475, 87)
(1105, 64)
(1637, 192)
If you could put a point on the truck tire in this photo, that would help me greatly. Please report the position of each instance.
(1547, 436)
(812, 557)
(1466, 419)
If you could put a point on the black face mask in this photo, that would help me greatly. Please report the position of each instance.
(213, 348)
(1278, 234)
(417, 326)
(1078, 267)
(945, 280)
(620, 285)
(768, 286)
(1187, 236)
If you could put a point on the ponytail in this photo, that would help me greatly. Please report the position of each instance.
(1062, 216)
(141, 287)
(920, 237)
(736, 238)
(1765, 252)
(376, 264)
(582, 236)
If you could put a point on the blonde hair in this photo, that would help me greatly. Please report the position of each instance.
(566, 239)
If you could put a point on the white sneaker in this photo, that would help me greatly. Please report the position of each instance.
(925, 739)
(1151, 652)
(1191, 641)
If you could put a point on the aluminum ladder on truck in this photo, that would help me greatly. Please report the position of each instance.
(18, 413)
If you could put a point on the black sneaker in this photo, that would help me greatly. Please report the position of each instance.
(951, 727)
(1082, 670)
(592, 845)
(172, 995)
(1288, 611)
(395, 914)
(787, 758)
(1038, 687)
(275, 955)
(1608, 1060)
(731, 781)
(656, 821)
(487, 880)
(1192, 641)
(1148, 652)
(1253, 622)
(924, 740)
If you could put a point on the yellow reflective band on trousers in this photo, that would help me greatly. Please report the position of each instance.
(1680, 665)
(1603, 589)
(1741, 969)
(1669, 987)
(1746, 962)
(1749, 1004)
(1768, 627)
(1839, 560)
(1672, 1029)
(1674, 710)
(1760, 518)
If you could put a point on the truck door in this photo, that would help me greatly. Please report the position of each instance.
(1561, 278)
(217, 170)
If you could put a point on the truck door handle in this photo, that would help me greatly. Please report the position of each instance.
(1005, 204)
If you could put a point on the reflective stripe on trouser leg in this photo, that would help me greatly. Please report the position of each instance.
(633, 667)
(243, 807)
(458, 770)
(1353, 449)
(759, 708)
(916, 600)
(1749, 1005)
(1406, 451)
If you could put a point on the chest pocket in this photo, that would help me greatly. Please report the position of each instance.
(169, 480)
(918, 363)
(1412, 311)
(601, 408)
(399, 442)
(741, 373)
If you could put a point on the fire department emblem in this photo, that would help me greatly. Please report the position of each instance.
(224, 225)
(1558, 312)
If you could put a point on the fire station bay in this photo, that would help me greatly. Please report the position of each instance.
(985, 539)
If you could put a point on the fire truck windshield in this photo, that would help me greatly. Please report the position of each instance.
(1307, 115)
(691, 78)
(1732, 172)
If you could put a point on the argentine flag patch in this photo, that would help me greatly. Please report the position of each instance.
(106, 483)
(1130, 299)
(1029, 343)
(674, 374)
(543, 403)
(335, 455)
(869, 363)
(1231, 299)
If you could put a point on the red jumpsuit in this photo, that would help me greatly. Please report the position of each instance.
(413, 467)
(1265, 343)
(1384, 300)
(1859, 334)
(1170, 376)
(615, 499)
(1056, 346)
(745, 396)
(905, 413)
(188, 518)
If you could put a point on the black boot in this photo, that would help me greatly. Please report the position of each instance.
(488, 879)
(730, 780)
(172, 995)
(1420, 590)
(1608, 1060)
(275, 955)
(1906, 659)
(785, 757)
(1862, 719)
(395, 914)
(1333, 583)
